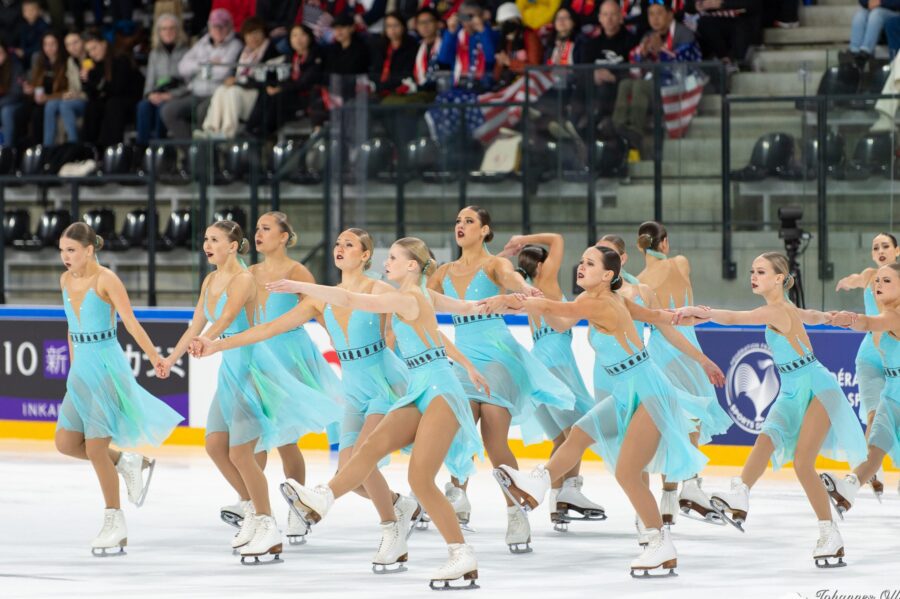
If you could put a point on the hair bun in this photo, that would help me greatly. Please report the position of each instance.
(292, 240)
(244, 246)
(98, 243)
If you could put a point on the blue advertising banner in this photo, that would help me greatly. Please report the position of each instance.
(751, 379)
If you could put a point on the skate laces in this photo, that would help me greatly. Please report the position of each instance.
(109, 520)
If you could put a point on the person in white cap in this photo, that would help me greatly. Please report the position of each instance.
(518, 47)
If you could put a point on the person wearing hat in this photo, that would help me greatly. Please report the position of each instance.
(518, 46)
(205, 66)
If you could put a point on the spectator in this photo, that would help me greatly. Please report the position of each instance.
(112, 86)
(47, 82)
(667, 41)
(30, 31)
(726, 28)
(10, 15)
(565, 45)
(283, 101)
(203, 69)
(278, 16)
(395, 56)
(609, 49)
(71, 105)
(586, 12)
(233, 101)
(518, 47)
(10, 96)
(163, 81)
(240, 10)
(424, 78)
(347, 55)
(868, 22)
(467, 47)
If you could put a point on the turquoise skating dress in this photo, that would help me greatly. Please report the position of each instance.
(373, 377)
(430, 375)
(298, 354)
(885, 433)
(687, 375)
(554, 350)
(634, 379)
(103, 399)
(802, 379)
(257, 398)
(519, 382)
(869, 368)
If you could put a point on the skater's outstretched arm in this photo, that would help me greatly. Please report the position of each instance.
(814, 317)
(297, 316)
(856, 281)
(111, 286)
(393, 302)
(889, 320)
(649, 315)
(556, 248)
(443, 303)
(764, 315)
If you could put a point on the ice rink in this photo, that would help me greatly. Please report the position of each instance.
(178, 547)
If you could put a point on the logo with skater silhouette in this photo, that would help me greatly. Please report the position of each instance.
(751, 386)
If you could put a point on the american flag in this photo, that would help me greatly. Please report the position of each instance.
(680, 100)
(498, 117)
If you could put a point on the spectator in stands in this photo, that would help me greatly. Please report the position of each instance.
(203, 68)
(112, 85)
(279, 15)
(283, 101)
(667, 41)
(11, 96)
(71, 105)
(518, 46)
(586, 12)
(868, 22)
(163, 81)
(348, 54)
(47, 81)
(565, 46)
(609, 49)
(395, 56)
(30, 30)
(424, 79)
(725, 28)
(240, 10)
(467, 48)
(634, 13)
(233, 101)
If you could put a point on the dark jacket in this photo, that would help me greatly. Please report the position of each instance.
(401, 65)
(311, 73)
(278, 13)
(119, 84)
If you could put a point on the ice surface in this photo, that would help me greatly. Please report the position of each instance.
(51, 509)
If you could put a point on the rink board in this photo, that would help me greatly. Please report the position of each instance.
(34, 364)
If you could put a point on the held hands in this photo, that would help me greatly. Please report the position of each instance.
(284, 286)
(690, 315)
(201, 347)
(502, 304)
(162, 367)
(512, 247)
(531, 291)
(844, 319)
(479, 381)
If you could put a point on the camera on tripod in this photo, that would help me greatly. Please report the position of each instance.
(796, 241)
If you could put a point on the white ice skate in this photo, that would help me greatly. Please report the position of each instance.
(309, 504)
(248, 527)
(572, 499)
(842, 492)
(733, 506)
(518, 530)
(668, 506)
(694, 503)
(460, 564)
(297, 528)
(132, 466)
(830, 546)
(460, 502)
(643, 535)
(234, 514)
(393, 552)
(113, 537)
(409, 513)
(877, 483)
(266, 541)
(526, 490)
(659, 553)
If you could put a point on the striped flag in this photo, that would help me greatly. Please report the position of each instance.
(680, 100)
(498, 117)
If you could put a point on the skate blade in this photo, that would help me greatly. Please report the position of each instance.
(416, 521)
(525, 503)
(296, 540)
(232, 519)
(824, 563)
(644, 573)
(711, 517)
(840, 504)
(520, 548)
(561, 526)
(151, 466)
(421, 525)
(394, 568)
(465, 527)
(292, 498)
(719, 506)
(253, 560)
(108, 551)
(444, 585)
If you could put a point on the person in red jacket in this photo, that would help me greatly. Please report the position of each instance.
(518, 46)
